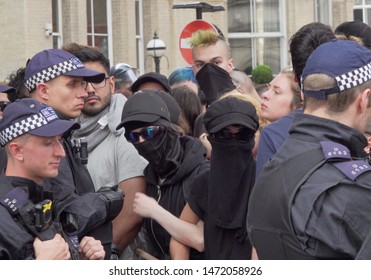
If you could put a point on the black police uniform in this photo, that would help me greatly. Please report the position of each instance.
(313, 199)
(74, 174)
(18, 228)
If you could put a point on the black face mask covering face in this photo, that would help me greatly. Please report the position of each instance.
(162, 152)
(214, 81)
(232, 176)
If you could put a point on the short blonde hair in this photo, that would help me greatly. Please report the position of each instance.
(205, 38)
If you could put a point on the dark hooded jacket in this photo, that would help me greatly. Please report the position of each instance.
(172, 193)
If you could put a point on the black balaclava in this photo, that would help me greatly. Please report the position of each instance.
(164, 152)
(214, 81)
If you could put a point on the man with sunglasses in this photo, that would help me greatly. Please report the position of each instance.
(173, 160)
(59, 79)
(111, 159)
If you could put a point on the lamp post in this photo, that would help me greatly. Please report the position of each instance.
(201, 7)
(156, 48)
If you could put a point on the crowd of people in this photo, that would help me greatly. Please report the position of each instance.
(100, 163)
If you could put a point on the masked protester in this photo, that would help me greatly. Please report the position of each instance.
(214, 81)
(220, 197)
(174, 161)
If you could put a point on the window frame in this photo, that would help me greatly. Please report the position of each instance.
(254, 36)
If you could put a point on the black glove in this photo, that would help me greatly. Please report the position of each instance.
(113, 198)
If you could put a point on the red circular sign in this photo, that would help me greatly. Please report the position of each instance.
(186, 34)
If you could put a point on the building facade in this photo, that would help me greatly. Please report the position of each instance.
(257, 30)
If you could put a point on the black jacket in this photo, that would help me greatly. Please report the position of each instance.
(172, 193)
(313, 199)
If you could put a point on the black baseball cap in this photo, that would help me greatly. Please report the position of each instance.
(145, 107)
(151, 77)
(228, 111)
(6, 89)
(356, 28)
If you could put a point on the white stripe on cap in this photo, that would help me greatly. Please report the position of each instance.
(52, 72)
(19, 128)
(354, 78)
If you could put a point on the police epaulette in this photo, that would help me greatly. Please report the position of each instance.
(349, 167)
(332, 150)
(352, 169)
(14, 200)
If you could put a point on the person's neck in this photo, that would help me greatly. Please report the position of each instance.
(346, 117)
(18, 172)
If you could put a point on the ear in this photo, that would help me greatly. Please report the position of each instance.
(42, 92)
(368, 141)
(364, 100)
(230, 65)
(111, 81)
(15, 149)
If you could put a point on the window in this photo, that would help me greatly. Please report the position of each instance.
(256, 32)
(323, 11)
(139, 35)
(57, 23)
(362, 11)
(99, 25)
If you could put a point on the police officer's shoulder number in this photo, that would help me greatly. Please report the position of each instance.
(350, 168)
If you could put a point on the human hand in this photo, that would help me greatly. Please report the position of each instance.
(54, 249)
(206, 143)
(144, 205)
(91, 248)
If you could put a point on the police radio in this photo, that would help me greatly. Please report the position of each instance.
(80, 149)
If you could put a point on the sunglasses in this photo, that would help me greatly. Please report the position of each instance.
(3, 105)
(147, 133)
(243, 134)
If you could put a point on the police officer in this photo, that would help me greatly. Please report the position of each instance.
(36, 222)
(125, 76)
(59, 79)
(313, 199)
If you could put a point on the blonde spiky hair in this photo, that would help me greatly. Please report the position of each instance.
(205, 38)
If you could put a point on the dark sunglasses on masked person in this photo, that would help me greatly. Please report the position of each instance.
(147, 133)
(243, 134)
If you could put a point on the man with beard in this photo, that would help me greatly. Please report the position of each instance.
(111, 159)
(173, 160)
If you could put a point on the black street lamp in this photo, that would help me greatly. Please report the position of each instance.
(201, 7)
(156, 48)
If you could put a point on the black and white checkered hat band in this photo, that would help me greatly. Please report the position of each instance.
(50, 73)
(354, 78)
(19, 128)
